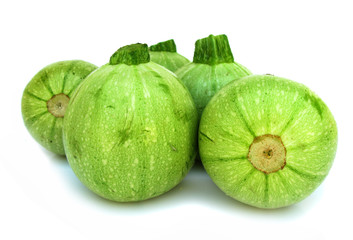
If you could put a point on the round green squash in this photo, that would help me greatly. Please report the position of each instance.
(267, 141)
(130, 130)
(45, 99)
(165, 54)
(213, 67)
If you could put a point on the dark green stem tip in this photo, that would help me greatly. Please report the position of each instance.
(167, 46)
(133, 54)
(213, 50)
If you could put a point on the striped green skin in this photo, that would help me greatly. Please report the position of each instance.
(204, 80)
(259, 105)
(170, 60)
(130, 131)
(56, 78)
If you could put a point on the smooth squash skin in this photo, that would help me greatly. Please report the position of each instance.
(46, 97)
(165, 54)
(212, 68)
(267, 141)
(130, 130)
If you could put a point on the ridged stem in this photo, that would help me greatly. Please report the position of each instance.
(167, 46)
(133, 54)
(213, 50)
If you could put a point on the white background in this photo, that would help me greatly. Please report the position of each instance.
(40, 198)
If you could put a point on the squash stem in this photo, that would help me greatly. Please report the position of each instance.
(167, 46)
(213, 50)
(133, 54)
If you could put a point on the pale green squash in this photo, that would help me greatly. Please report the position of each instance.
(165, 54)
(46, 97)
(212, 68)
(130, 130)
(267, 141)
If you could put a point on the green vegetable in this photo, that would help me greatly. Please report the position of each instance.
(130, 130)
(165, 54)
(212, 68)
(267, 141)
(46, 97)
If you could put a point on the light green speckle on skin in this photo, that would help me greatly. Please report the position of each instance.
(131, 139)
(53, 82)
(301, 119)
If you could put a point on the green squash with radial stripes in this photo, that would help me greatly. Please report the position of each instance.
(212, 68)
(267, 141)
(130, 130)
(165, 54)
(46, 97)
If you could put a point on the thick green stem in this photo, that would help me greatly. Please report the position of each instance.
(213, 50)
(167, 46)
(133, 54)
